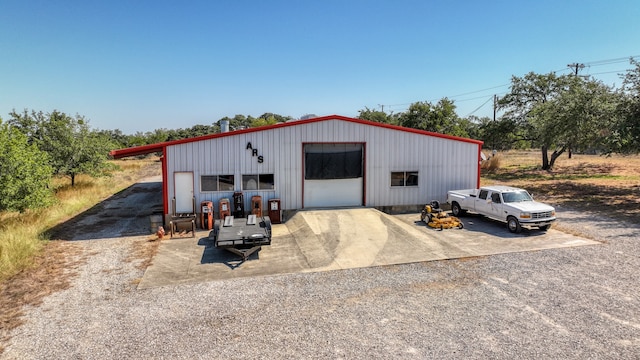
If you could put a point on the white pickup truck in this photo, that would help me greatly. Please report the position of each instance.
(514, 206)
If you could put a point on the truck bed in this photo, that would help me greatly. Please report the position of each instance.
(464, 192)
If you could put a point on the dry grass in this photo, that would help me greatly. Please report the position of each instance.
(51, 271)
(493, 163)
(32, 267)
(609, 185)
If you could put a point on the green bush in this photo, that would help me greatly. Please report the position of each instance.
(25, 174)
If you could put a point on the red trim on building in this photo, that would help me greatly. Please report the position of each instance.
(147, 149)
(364, 174)
(161, 147)
(165, 189)
(302, 169)
(364, 165)
(479, 165)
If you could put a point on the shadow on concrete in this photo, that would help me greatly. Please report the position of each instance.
(480, 224)
(126, 213)
(214, 255)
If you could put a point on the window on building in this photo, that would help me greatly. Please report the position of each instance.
(216, 183)
(404, 178)
(258, 182)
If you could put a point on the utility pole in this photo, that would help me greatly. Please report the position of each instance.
(382, 107)
(495, 105)
(577, 67)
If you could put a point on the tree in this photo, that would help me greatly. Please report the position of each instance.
(72, 147)
(626, 135)
(378, 116)
(270, 120)
(500, 134)
(25, 174)
(278, 118)
(440, 118)
(559, 112)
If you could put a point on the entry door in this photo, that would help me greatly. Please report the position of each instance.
(184, 192)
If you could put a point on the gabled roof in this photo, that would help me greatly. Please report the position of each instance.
(159, 147)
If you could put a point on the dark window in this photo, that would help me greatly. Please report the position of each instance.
(216, 183)
(404, 178)
(483, 194)
(397, 179)
(209, 183)
(495, 197)
(332, 161)
(258, 182)
(225, 183)
(266, 182)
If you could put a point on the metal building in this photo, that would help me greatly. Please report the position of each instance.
(328, 161)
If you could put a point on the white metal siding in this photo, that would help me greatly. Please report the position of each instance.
(443, 164)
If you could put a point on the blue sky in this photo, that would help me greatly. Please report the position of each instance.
(143, 65)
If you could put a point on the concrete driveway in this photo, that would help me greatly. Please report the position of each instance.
(323, 240)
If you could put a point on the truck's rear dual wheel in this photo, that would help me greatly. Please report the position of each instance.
(514, 224)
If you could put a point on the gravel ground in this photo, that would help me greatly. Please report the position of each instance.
(574, 303)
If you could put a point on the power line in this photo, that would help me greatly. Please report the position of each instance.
(609, 72)
(483, 104)
(477, 91)
(574, 67)
(610, 61)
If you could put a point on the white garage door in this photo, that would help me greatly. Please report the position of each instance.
(333, 175)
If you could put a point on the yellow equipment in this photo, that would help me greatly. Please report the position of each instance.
(437, 218)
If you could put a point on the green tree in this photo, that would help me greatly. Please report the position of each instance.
(270, 120)
(499, 134)
(378, 116)
(25, 173)
(626, 135)
(440, 118)
(72, 147)
(559, 112)
(278, 118)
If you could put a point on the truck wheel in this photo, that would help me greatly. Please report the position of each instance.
(514, 225)
(544, 227)
(456, 209)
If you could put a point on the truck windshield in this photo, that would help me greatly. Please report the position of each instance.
(516, 196)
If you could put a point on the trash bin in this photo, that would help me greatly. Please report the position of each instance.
(206, 215)
(238, 205)
(156, 221)
(224, 208)
(256, 205)
(275, 211)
